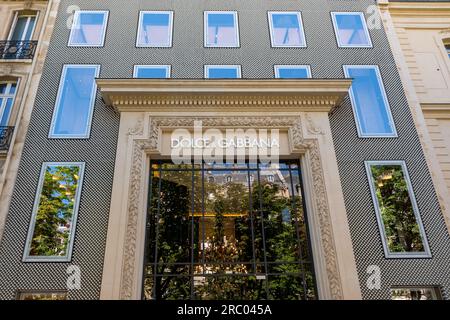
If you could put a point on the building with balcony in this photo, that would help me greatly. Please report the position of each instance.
(24, 34)
(223, 150)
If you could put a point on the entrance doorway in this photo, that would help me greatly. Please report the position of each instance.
(224, 232)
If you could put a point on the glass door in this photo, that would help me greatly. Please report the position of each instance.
(227, 232)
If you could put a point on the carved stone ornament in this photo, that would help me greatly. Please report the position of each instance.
(145, 145)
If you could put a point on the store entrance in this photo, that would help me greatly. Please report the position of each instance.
(227, 232)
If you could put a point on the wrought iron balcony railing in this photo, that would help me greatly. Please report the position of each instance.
(12, 49)
(5, 137)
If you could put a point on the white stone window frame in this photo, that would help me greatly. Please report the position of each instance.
(168, 68)
(205, 29)
(301, 28)
(397, 255)
(170, 26)
(87, 134)
(237, 67)
(277, 68)
(76, 18)
(361, 134)
(336, 30)
(68, 257)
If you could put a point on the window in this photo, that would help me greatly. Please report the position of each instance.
(75, 102)
(23, 27)
(155, 29)
(222, 72)
(221, 29)
(7, 95)
(370, 104)
(42, 295)
(416, 293)
(215, 239)
(397, 212)
(447, 48)
(152, 72)
(351, 29)
(286, 29)
(52, 228)
(229, 178)
(292, 72)
(88, 28)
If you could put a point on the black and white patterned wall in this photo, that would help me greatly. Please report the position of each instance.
(187, 58)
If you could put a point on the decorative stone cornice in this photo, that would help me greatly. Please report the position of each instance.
(141, 95)
(145, 142)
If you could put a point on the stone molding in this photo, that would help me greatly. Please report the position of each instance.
(145, 136)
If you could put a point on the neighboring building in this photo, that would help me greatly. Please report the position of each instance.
(419, 32)
(100, 210)
(25, 31)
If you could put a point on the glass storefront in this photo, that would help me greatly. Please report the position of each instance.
(227, 232)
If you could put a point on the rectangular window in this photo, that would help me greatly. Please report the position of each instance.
(7, 95)
(155, 29)
(292, 72)
(42, 295)
(351, 29)
(398, 216)
(88, 29)
(152, 71)
(416, 293)
(286, 29)
(447, 47)
(370, 104)
(75, 102)
(221, 29)
(52, 228)
(222, 71)
(23, 27)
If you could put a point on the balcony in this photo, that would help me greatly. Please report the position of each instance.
(17, 50)
(5, 137)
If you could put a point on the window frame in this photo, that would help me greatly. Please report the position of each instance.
(168, 68)
(17, 15)
(236, 29)
(87, 134)
(277, 67)
(76, 206)
(365, 29)
(361, 134)
(301, 26)
(397, 255)
(435, 290)
(76, 17)
(170, 26)
(5, 98)
(222, 66)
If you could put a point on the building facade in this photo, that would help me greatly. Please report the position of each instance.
(101, 209)
(25, 32)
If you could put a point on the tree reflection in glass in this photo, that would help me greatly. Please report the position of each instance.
(55, 212)
(228, 232)
(401, 227)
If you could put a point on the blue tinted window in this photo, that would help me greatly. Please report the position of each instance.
(155, 29)
(7, 95)
(221, 29)
(89, 28)
(351, 30)
(151, 72)
(370, 102)
(286, 29)
(75, 102)
(222, 72)
(292, 72)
